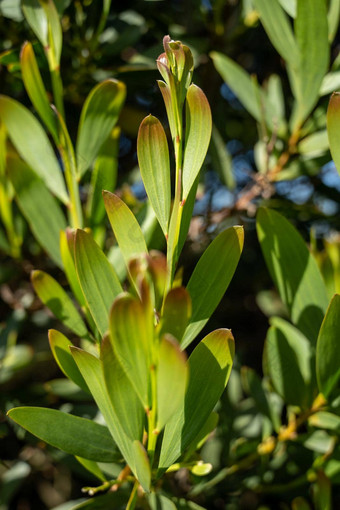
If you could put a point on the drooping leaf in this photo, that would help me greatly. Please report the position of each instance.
(333, 128)
(176, 312)
(124, 399)
(328, 350)
(38, 206)
(143, 470)
(71, 434)
(172, 377)
(60, 347)
(31, 142)
(131, 334)
(288, 360)
(98, 117)
(35, 88)
(211, 278)
(198, 132)
(153, 158)
(57, 300)
(294, 271)
(97, 278)
(125, 226)
(209, 367)
(91, 369)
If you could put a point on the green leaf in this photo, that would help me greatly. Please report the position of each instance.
(98, 117)
(31, 142)
(333, 128)
(197, 136)
(71, 434)
(124, 399)
(315, 144)
(278, 28)
(143, 470)
(172, 377)
(57, 300)
(311, 28)
(176, 312)
(328, 350)
(67, 255)
(38, 206)
(222, 160)
(166, 93)
(36, 18)
(91, 369)
(330, 83)
(97, 278)
(160, 502)
(322, 492)
(294, 271)
(211, 278)
(125, 227)
(60, 347)
(55, 34)
(288, 360)
(131, 334)
(153, 159)
(35, 88)
(300, 504)
(325, 420)
(333, 18)
(92, 467)
(209, 367)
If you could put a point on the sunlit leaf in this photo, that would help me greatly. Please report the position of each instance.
(176, 312)
(333, 128)
(143, 470)
(36, 18)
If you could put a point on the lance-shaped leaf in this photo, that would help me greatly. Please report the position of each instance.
(31, 142)
(172, 377)
(35, 88)
(160, 502)
(311, 28)
(143, 470)
(211, 278)
(60, 347)
(36, 18)
(166, 93)
(71, 434)
(57, 300)
(124, 399)
(294, 271)
(153, 159)
(197, 136)
(176, 312)
(333, 17)
(67, 256)
(126, 228)
(328, 350)
(92, 467)
(131, 334)
(91, 369)
(98, 117)
(39, 207)
(209, 367)
(333, 128)
(97, 278)
(279, 30)
(55, 34)
(287, 361)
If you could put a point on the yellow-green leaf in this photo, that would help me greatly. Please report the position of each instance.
(333, 128)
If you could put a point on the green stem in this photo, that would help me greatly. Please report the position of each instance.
(131, 505)
(152, 416)
(57, 87)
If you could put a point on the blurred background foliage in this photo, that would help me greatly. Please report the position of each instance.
(123, 40)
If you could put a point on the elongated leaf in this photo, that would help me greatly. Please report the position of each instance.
(131, 334)
(160, 502)
(333, 18)
(35, 88)
(166, 93)
(294, 271)
(38, 206)
(124, 399)
(97, 278)
(333, 128)
(172, 377)
(211, 277)
(328, 350)
(91, 369)
(55, 34)
(92, 467)
(176, 312)
(143, 470)
(153, 159)
(278, 28)
(311, 29)
(60, 347)
(36, 18)
(197, 136)
(57, 300)
(209, 366)
(98, 117)
(67, 256)
(31, 142)
(288, 359)
(222, 160)
(126, 228)
(71, 434)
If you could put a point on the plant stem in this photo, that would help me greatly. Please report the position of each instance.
(57, 87)
(133, 497)
(152, 415)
